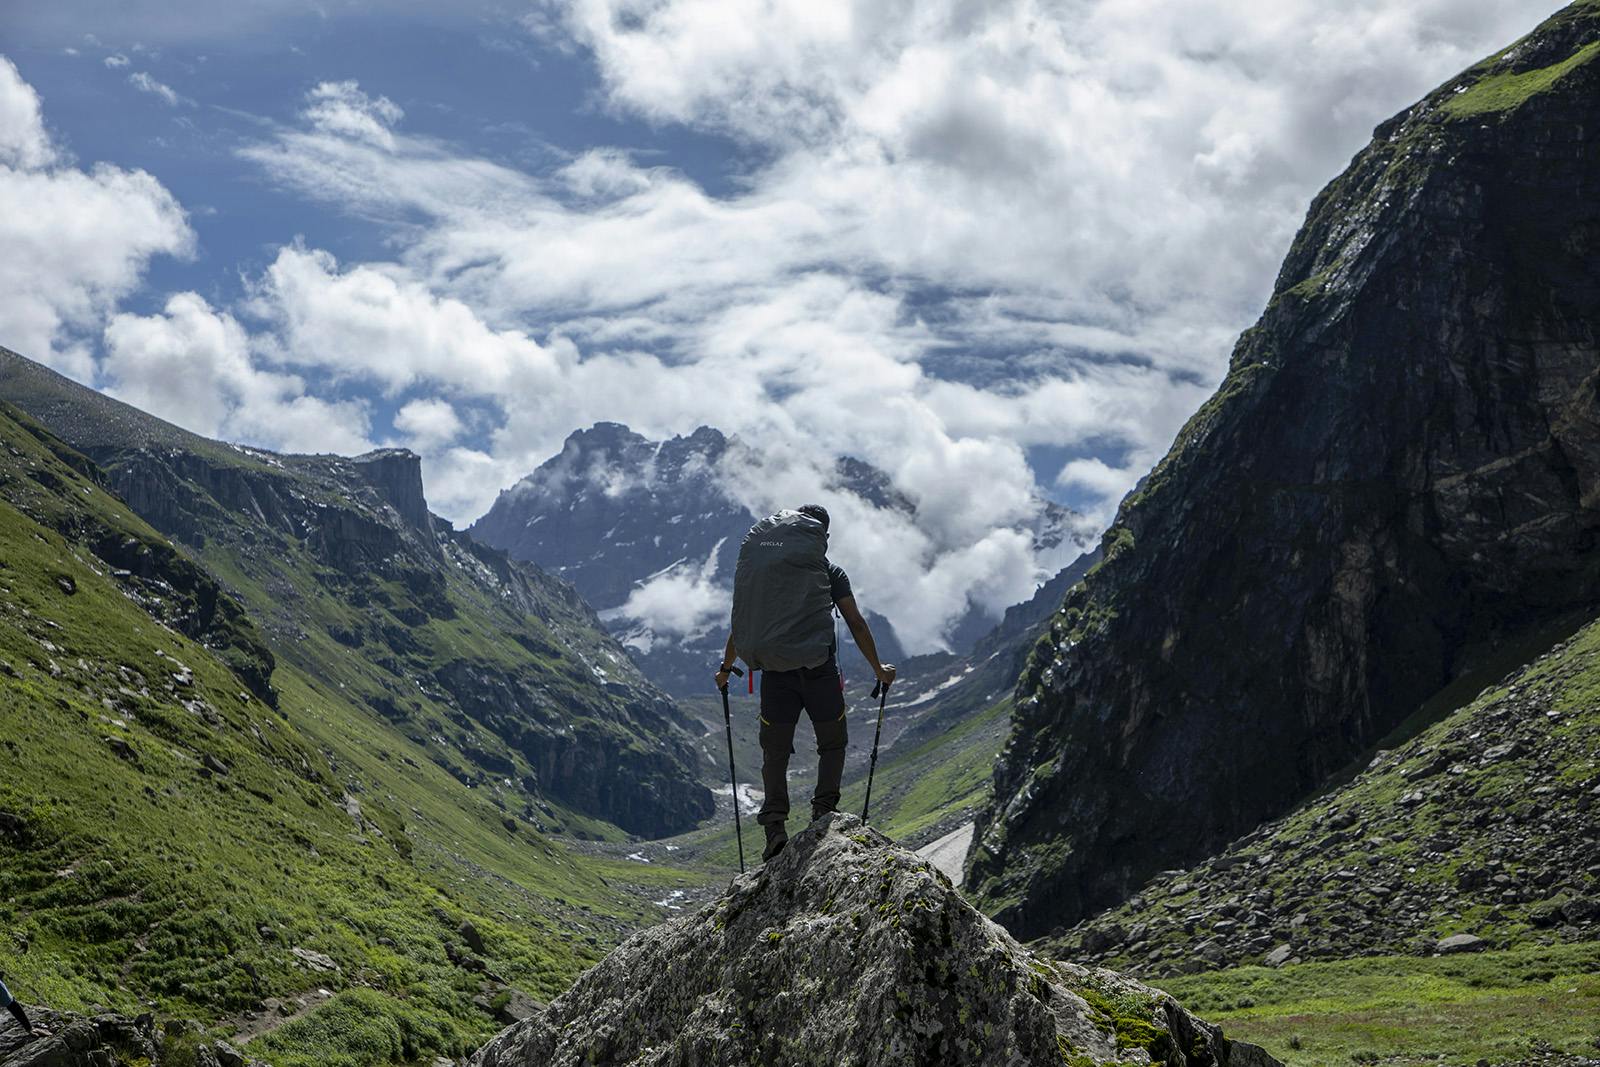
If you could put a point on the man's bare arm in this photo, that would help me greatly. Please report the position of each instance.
(863, 636)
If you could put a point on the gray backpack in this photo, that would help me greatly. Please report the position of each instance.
(782, 599)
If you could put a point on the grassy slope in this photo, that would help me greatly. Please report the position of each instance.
(1498, 1005)
(479, 661)
(1460, 803)
(1526, 1003)
(152, 880)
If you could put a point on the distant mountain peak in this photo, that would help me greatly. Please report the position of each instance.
(614, 512)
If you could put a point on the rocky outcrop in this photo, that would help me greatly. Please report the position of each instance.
(1398, 475)
(845, 949)
(111, 1041)
(396, 473)
(106, 1041)
(1478, 833)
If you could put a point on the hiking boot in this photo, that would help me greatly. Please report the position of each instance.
(777, 837)
(821, 812)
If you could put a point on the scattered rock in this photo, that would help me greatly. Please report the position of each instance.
(228, 1056)
(122, 748)
(317, 961)
(1102, 938)
(1581, 910)
(470, 935)
(1460, 943)
(1499, 753)
(517, 1006)
(465, 960)
(1278, 956)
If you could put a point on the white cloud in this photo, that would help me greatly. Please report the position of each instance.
(23, 141)
(116, 61)
(428, 425)
(81, 243)
(341, 108)
(682, 602)
(974, 229)
(1098, 476)
(146, 84)
(192, 365)
(970, 231)
(376, 323)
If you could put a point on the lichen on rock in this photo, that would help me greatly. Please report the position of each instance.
(846, 949)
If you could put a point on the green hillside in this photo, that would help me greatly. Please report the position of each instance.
(1480, 825)
(173, 840)
(499, 672)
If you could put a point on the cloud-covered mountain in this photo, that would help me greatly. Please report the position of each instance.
(648, 532)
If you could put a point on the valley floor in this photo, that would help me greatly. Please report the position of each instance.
(1529, 1005)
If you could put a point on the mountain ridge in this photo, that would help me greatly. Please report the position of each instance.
(496, 666)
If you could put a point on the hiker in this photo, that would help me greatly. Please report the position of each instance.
(9, 1002)
(784, 593)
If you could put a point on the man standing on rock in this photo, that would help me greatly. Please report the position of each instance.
(784, 593)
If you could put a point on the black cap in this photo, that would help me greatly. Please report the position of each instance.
(816, 511)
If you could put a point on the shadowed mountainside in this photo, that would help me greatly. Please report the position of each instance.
(1396, 478)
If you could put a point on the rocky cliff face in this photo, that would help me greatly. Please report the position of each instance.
(846, 949)
(1477, 833)
(1398, 475)
(500, 669)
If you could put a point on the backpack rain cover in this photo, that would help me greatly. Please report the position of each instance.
(782, 599)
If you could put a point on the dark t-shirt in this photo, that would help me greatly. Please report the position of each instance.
(838, 582)
(839, 587)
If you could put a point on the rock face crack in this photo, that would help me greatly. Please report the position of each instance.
(846, 949)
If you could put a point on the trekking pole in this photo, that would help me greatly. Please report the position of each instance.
(733, 777)
(881, 691)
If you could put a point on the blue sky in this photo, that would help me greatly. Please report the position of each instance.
(999, 249)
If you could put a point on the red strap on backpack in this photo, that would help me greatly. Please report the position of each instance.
(752, 681)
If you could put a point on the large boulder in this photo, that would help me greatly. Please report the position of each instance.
(846, 949)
